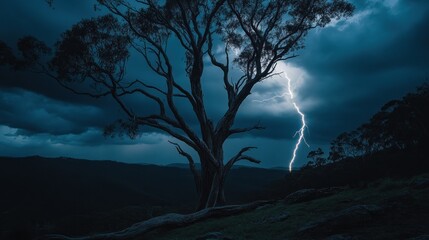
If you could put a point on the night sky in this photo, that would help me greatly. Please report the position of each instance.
(347, 71)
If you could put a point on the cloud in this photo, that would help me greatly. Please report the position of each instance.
(272, 95)
(91, 137)
(34, 113)
(386, 3)
(39, 20)
(30, 118)
(342, 24)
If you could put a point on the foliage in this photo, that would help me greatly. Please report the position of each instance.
(317, 156)
(400, 124)
(92, 50)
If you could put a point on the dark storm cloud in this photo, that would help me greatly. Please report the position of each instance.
(356, 68)
(38, 117)
(33, 113)
(351, 68)
(43, 85)
(38, 19)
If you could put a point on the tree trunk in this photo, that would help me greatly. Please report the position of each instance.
(212, 186)
(212, 192)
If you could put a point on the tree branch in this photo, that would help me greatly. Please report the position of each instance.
(224, 67)
(239, 156)
(257, 126)
(194, 170)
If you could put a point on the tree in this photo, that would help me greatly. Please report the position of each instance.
(91, 59)
(317, 156)
(347, 144)
(401, 123)
(6, 55)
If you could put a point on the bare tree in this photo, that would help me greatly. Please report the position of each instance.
(91, 59)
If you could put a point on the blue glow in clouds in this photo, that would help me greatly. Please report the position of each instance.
(301, 131)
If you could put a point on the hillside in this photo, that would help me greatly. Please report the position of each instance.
(384, 209)
(73, 196)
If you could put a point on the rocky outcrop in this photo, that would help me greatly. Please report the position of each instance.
(399, 203)
(422, 237)
(340, 237)
(342, 220)
(309, 194)
(420, 183)
(214, 236)
(274, 219)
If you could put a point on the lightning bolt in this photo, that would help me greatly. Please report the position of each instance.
(301, 131)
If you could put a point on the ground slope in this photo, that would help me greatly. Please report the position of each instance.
(385, 209)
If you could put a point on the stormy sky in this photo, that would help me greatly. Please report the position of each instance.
(346, 72)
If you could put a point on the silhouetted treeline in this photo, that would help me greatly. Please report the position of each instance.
(354, 172)
(399, 124)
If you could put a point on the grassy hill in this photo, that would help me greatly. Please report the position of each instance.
(73, 196)
(384, 209)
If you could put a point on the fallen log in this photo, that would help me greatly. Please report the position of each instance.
(168, 220)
